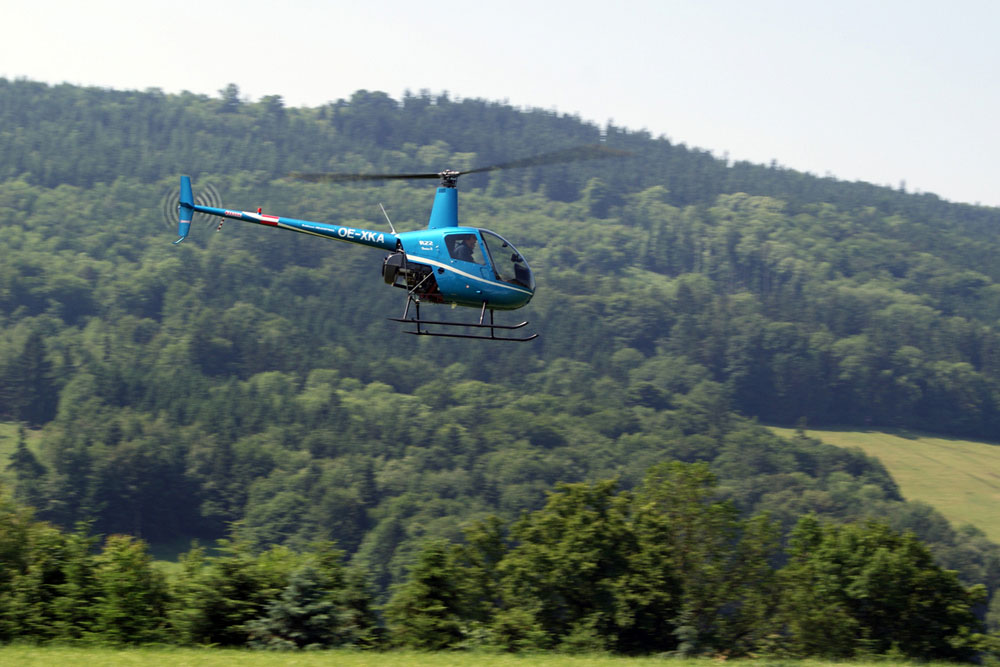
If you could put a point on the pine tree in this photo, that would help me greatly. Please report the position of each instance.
(425, 612)
(31, 394)
(28, 472)
(304, 616)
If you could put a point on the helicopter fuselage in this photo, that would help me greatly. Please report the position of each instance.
(445, 263)
(465, 266)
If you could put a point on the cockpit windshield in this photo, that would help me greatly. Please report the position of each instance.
(507, 261)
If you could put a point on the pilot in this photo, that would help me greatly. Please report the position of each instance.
(464, 249)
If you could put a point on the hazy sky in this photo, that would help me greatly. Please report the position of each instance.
(884, 91)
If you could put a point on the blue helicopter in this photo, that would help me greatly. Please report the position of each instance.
(445, 263)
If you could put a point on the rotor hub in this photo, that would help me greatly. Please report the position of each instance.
(449, 178)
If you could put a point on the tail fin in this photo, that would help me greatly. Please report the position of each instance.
(185, 209)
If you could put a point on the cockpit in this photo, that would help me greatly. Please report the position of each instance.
(508, 263)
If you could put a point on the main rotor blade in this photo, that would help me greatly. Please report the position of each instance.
(593, 152)
(323, 177)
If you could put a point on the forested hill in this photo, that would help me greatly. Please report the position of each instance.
(250, 375)
(837, 302)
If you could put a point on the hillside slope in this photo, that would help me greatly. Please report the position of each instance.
(959, 478)
(840, 302)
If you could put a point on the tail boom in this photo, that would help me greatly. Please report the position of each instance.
(187, 208)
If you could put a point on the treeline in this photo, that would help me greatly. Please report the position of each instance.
(149, 134)
(665, 568)
(59, 586)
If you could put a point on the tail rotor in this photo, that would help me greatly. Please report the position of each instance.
(181, 220)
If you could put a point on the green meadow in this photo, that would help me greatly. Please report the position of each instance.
(211, 657)
(959, 478)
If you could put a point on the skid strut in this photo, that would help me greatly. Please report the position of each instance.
(481, 324)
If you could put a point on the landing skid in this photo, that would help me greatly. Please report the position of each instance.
(419, 323)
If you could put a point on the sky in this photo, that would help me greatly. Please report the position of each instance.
(894, 92)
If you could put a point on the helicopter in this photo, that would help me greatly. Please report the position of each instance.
(445, 263)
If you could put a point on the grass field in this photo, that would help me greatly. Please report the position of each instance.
(959, 478)
(102, 657)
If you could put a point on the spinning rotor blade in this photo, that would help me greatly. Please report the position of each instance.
(207, 196)
(323, 177)
(592, 152)
(577, 154)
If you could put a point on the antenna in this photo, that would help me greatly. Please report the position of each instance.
(387, 217)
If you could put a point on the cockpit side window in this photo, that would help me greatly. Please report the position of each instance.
(465, 248)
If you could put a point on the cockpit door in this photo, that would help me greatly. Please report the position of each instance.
(466, 253)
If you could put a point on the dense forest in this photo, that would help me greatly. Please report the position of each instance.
(666, 568)
(247, 385)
